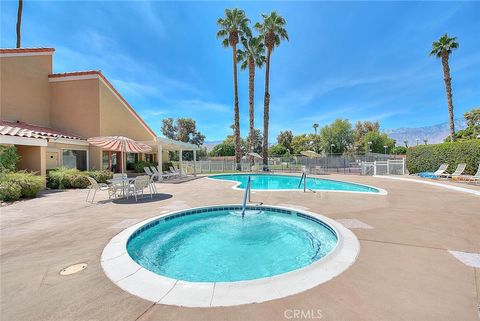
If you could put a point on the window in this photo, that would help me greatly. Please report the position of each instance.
(132, 158)
(109, 161)
(149, 158)
(75, 159)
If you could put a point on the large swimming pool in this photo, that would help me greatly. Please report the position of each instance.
(288, 182)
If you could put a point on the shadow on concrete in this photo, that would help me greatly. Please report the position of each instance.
(140, 200)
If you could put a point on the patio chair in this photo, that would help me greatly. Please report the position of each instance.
(460, 169)
(139, 184)
(152, 186)
(95, 186)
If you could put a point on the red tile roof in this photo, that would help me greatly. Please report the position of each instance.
(17, 128)
(25, 50)
(99, 73)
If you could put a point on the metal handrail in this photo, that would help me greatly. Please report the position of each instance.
(247, 193)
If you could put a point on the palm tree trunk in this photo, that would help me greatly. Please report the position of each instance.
(19, 21)
(266, 111)
(238, 152)
(448, 89)
(251, 97)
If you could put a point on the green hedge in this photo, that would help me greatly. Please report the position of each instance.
(63, 178)
(15, 185)
(138, 166)
(427, 158)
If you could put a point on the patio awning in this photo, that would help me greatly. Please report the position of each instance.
(254, 155)
(310, 153)
(170, 144)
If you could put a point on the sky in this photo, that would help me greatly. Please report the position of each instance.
(355, 60)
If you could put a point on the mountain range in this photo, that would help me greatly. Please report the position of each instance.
(434, 134)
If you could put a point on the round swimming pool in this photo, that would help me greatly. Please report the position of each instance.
(212, 256)
(274, 182)
(220, 245)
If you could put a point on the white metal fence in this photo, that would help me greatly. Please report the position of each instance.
(388, 167)
(370, 164)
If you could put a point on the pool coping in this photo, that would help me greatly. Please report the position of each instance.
(437, 184)
(381, 191)
(122, 270)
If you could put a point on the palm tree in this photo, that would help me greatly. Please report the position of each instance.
(232, 27)
(442, 49)
(272, 31)
(252, 56)
(19, 21)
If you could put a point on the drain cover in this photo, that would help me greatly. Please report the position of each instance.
(73, 269)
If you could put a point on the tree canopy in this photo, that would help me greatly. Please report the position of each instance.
(183, 129)
(472, 131)
(339, 133)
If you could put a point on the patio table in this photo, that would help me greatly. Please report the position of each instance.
(123, 181)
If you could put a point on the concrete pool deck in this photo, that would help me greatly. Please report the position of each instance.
(404, 270)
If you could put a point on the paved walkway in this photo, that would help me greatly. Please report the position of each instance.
(404, 270)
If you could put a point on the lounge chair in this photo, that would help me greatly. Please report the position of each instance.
(176, 172)
(441, 170)
(475, 178)
(471, 178)
(149, 172)
(95, 186)
(156, 173)
(458, 172)
(168, 175)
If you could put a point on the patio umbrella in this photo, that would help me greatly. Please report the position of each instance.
(309, 153)
(119, 144)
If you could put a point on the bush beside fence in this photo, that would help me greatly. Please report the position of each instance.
(427, 158)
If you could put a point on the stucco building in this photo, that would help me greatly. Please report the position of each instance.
(49, 116)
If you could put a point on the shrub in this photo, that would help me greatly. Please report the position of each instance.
(63, 178)
(29, 183)
(166, 166)
(427, 158)
(10, 191)
(400, 150)
(8, 158)
(100, 176)
(138, 166)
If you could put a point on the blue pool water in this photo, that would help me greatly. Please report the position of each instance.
(217, 245)
(279, 182)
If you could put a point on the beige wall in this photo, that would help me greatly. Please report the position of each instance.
(24, 89)
(33, 158)
(75, 107)
(116, 119)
